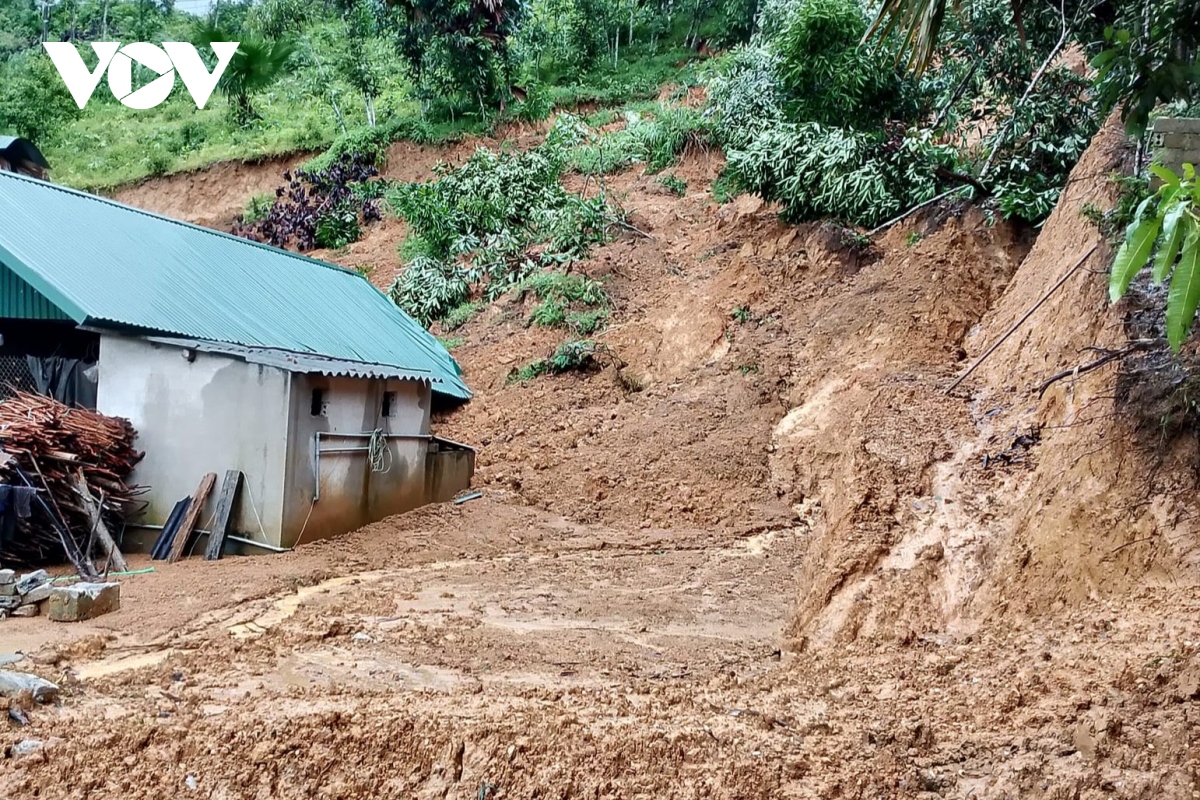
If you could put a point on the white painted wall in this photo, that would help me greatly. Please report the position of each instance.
(210, 414)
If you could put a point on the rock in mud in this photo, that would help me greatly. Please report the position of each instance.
(37, 594)
(83, 601)
(26, 747)
(31, 581)
(13, 684)
(27, 610)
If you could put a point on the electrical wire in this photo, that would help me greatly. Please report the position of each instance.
(378, 452)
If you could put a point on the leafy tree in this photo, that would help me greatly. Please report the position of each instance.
(354, 61)
(19, 27)
(458, 47)
(1169, 231)
(256, 65)
(1150, 58)
(1150, 54)
(827, 75)
(34, 102)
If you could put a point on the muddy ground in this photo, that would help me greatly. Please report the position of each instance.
(789, 565)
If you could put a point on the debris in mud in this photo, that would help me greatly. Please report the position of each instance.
(1016, 451)
(24, 596)
(23, 684)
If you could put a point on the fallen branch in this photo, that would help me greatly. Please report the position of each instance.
(107, 544)
(1108, 357)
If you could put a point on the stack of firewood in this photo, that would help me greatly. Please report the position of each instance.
(78, 461)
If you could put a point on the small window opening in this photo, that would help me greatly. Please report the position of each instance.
(318, 402)
(389, 403)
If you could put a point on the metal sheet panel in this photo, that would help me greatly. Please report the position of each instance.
(19, 300)
(109, 265)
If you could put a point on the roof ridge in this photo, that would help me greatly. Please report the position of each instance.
(211, 231)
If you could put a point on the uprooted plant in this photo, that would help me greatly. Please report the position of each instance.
(484, 227)
(324, 206)
(582, 355)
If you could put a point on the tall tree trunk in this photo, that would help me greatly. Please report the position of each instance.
(104, 23)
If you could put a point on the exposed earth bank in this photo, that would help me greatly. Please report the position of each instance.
(771, 556)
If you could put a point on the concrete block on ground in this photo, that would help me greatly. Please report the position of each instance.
(82, 601)
(8, 589)
(27, 610)
(7, 576)
(9, 603)
(13, 684)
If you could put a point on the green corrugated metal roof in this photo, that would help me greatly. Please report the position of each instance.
(19, 300)
(108, 265)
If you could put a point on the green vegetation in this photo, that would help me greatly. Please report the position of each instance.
(1165, 226)
(574, 356)
(567, 300)
(657, 140)
(493, 223)
(460, 315)
(673, 184)
(970, 101)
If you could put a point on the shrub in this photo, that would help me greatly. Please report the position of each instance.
(585, 323)
(819, 172)
(565, 288)
(829, 76)
(318, 207)
(428, 289)
(337, 227)
(744, 95)
(459, 315)
(656, 141)
(481, 221)
(558, 293)
(550, 313)
(258, 208)
(574, 356)
(674, 184)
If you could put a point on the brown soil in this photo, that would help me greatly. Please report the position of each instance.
(790, 565)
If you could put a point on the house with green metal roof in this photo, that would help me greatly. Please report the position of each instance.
(226, 354)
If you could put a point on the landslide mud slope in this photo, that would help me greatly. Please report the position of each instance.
(781, 569)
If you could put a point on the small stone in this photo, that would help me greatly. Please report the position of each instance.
(931, 552)
(82, 601)
(15, 683)
(27, 610)
(26, 747)
(37, 594)
(362, 637)
(31, 580)
(190, 782)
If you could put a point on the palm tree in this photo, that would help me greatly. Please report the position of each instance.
(257, 64)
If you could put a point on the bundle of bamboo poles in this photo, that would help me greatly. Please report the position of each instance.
(78, 461)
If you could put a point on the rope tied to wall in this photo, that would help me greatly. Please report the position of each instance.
(378, 453)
